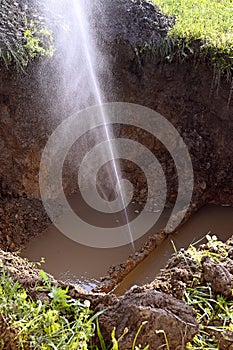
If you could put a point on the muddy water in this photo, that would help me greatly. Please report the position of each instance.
(216, 220)
(78, 264)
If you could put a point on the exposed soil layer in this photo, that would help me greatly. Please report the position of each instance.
(21, 219)
(160, 303)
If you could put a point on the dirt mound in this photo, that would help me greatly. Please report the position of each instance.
(124, 20)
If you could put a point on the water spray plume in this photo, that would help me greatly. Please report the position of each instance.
(86, 40)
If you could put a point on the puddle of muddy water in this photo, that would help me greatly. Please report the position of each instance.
(216, 220)
(78, 264)
(82, 265)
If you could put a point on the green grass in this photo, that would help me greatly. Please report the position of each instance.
(208, 21)
(57, 323)
(214, 311)
(214, 315)
(35, 43)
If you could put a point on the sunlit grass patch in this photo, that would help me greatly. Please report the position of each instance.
(57, 323)
(209, 21)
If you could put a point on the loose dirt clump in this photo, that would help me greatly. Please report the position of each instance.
(204, 277)
(206, 264)
(159, 312)
(218, 276)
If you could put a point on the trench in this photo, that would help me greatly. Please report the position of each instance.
(84, 266)
(210, 219)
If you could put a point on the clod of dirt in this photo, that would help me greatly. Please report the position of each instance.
(218, 276)
(160, 312)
